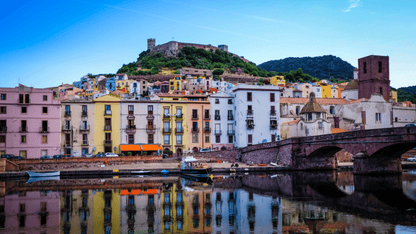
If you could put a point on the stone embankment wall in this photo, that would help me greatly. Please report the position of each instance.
(7, 165)
(223, 155)
(67, 163)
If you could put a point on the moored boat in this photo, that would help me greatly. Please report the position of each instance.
(193, 168)
(43, 174)
(140, 172)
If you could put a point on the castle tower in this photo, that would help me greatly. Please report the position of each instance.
(151, 43)
(373, 76)
(223, 47)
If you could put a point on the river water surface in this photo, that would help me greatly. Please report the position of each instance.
(301, 202)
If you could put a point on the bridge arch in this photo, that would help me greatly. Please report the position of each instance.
(325, 151)
(394, 150)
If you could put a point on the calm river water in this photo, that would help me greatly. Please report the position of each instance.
(305, 202)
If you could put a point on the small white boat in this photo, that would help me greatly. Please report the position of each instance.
(43, 174)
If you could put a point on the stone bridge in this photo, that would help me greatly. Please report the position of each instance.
(376, 151)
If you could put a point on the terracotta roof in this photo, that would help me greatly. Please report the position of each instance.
(293, 122)
(352, 85)
(338, 130)
(312, 106)
(321, 101)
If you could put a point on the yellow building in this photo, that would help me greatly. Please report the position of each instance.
(107, 211)
(393, 95)
(175, 84)
(107, 124)
(276, 80)
(123, 84)
(326, 90)
(174, 127)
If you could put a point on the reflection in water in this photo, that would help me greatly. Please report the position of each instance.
(286, 203)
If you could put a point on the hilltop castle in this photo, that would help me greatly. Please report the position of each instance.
(172, 48)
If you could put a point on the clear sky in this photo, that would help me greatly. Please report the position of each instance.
(47, 43)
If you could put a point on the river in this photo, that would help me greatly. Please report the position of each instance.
(296, 202)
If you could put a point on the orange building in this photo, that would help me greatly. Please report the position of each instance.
(198, 121)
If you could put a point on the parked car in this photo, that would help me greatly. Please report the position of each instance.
(68, 156)
(100, 155)
(17, 158)
(410, 125)
(413, 159)
(111, 155)
(58, 156)
(46, 157)
(7, 156)
(205, 150)
(87, 155)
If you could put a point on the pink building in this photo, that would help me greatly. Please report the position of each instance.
(29, 122)
(30, 212)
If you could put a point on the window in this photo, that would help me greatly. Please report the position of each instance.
(44, 126)
(23, 126)
(217, 101)
(131, 109)
(320, 125)
(380, 68)
(273, 137)
(230, 101)
(24, 109)
(195, 138)
(249, 96)
(45, 97)
(217, 115)
(2, 139)
(395, 119)
(44, 110)
(150, 110)
(230, 139)
(166, 139)
(206, 116)
(44, 139)
(249, 139)
(23, 153)
(272, 99)
(131, 139)
(23, 139)
(150, 139)
(179, 139)
(378, 117)
(217, 138)
(332, 110)
(207, 138)
(365, 67)
(381, 90)
(301, 126)
(3, 96)
(194, 114)
(3, 110)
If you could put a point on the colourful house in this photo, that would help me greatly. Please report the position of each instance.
(277, 80)
(326, 90)
(175, 84)
(107, 124)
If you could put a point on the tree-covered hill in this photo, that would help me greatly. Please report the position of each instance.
(322, 67)
(407, 94)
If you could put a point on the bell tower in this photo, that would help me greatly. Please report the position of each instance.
(373, 76)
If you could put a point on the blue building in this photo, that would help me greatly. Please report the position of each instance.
(111, 84)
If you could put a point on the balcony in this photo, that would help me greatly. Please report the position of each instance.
(68, 144)
(130, 128)
(84, 143)
(230, 117)
(250, 124)
(249, 112)
(130, 117)
(23, 129)
(179, 116)
(84, 114)
(108, 142)
(66, 128)
(84, 127)
(3, 129)
(150, 115)
(207, 116)
(195, 130)
(67, 114)
(44, 130)
(166, 116)
(150, 128)
(166, 130)
(23, 101)
(179, 144)
(207, 129)
(107, 112)
(217, 132)
(107, 128)
(179, 130)
(273, 113)
(273, 126)
(230, 132)
(195, 116)
(217, 117)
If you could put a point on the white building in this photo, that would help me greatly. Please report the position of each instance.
(317, 90)
(222, 120)
(403, 113)
(139, 121)
(135, 87)
(257, 115)
(351, 90)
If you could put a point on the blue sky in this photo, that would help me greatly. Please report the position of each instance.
(47, 43)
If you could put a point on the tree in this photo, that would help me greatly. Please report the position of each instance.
(218, 71)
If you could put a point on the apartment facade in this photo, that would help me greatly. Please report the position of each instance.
(223, 122)
(77, 121)
(140, 126)
(107, 124)
(29, 122)
(198, 114)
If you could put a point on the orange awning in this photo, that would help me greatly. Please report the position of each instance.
(139, 192)
(140, 147)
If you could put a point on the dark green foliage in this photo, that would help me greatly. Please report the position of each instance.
(218, 72)
(407, 94)
(295, 76)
